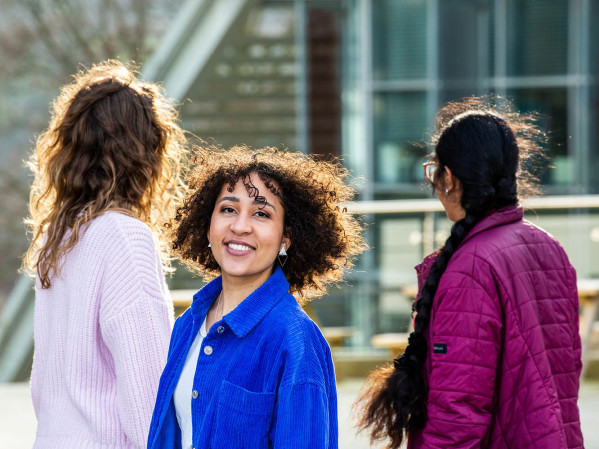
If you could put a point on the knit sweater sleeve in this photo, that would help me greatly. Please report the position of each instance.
(136, 319)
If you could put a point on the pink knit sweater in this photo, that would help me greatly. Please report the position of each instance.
(101, 339)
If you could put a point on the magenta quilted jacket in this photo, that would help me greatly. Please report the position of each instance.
(504, 361)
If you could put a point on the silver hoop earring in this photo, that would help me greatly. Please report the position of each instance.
(282, 256)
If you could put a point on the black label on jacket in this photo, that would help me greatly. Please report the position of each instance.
(439, 348)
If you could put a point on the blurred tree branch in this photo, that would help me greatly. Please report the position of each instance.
(43, 42)
(44, 32)
(72, 33)
(69, 20)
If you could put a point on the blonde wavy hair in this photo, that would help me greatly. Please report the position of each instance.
(113, 143)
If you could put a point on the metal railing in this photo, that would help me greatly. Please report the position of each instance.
(16, 320)
(430, 206)
(434, 205)
(16, 332)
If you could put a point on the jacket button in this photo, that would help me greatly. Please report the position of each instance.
(207, 350)
(220, 329)
(194, 394)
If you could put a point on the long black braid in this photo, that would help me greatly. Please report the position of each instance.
(481, 150)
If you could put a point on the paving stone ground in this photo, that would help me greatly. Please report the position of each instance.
(17, 419)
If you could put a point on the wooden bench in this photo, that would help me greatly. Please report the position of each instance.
(588, 294)
(335, 336)
(395, 342)
(182, 300)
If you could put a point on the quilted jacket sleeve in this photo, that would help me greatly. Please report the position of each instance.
(576, 343)
(464, 347)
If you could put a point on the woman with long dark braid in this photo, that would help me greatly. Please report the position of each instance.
(494, 359)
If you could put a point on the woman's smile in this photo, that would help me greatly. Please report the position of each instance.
(246, 232)
(239, 248)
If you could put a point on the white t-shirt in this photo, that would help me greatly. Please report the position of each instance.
(184, 390)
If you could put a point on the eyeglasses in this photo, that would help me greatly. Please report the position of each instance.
(429, 171)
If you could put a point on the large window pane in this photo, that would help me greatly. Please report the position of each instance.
(578, 232)
(399, 243)
(400, 39)
(537, 33)
(399, 124)
(552, 104)
(490, 51)
(459, 41)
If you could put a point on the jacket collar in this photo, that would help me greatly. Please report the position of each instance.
(423, 269)
(252, 309)
(501, 217)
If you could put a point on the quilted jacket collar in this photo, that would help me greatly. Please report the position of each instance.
(501, 217)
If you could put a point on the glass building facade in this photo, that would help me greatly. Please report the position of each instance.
(419, 54)
(363, 79)
(405, 59)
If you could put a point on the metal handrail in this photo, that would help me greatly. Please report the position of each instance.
(433, 205)
(16, 331)
(17, 317)
(430, 207)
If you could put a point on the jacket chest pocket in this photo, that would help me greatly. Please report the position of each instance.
(243, 418)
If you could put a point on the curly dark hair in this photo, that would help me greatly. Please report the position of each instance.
(325, 237)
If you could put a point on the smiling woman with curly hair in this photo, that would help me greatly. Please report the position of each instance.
(247, 368)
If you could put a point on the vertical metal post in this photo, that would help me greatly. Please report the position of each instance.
(500, 75)
(433, 99)
(579, 14)
(572, 99)
(578, 67)
(365, 37)
(428, 233)
(363, 310)
(302, 118)
(482, 47)
(432, 49)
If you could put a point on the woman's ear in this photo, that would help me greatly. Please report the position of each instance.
(452, 183)
(287, 239)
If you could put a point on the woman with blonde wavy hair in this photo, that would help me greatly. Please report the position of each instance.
(106, 172)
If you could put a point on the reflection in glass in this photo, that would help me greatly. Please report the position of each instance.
(537, 33)
(400, 39)
(552, 105)
(400, 123)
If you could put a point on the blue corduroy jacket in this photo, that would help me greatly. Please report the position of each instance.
(264, 377)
